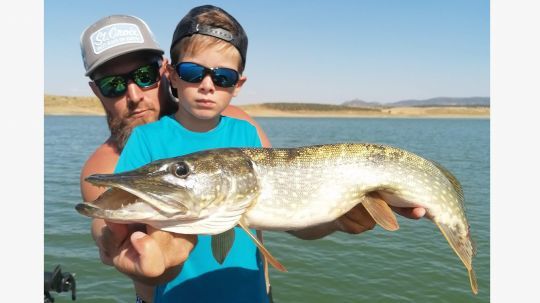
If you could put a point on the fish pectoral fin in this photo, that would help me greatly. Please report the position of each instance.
(263, 250)
(215, 222)
(221, 245)
(464, 247)
(380, 211)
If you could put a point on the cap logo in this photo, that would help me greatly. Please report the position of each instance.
(114, 35)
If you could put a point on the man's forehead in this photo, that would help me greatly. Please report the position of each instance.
(123, 64)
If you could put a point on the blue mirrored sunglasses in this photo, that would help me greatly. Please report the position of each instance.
(195, 73)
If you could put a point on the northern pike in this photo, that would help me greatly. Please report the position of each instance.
(284, 189)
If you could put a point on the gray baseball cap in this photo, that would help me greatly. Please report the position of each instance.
(114, 36)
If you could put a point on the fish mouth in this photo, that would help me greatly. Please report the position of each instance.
(127, 198)
(118, 206)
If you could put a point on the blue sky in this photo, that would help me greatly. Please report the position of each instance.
(310, 51)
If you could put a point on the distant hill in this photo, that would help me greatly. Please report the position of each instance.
(308, 107)
(439, 101)
(445, 101)
(360, 103)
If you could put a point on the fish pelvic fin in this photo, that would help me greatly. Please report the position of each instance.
(380, 211)
(221, 245)
(464, 248)
(267, 255)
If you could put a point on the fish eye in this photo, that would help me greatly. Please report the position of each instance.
(180, 169)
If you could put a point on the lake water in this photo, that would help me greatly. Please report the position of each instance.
(413, 264)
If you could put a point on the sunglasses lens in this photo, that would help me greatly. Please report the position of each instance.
(194, 73)
(190, 72)
(146, 76)
(115, 86)
(112, 86)
(225, 77)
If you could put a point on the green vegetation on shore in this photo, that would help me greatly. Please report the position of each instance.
(70, 105)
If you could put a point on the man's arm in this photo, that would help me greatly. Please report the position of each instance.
(102, 161)
(355, 221)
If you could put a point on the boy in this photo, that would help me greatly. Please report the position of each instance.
(208, 55)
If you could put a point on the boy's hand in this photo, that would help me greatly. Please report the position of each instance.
(152, 258)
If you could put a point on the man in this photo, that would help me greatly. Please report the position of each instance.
(121, 45)
(128, 74)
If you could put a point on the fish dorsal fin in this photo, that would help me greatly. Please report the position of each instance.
(221, 245)
(453, 180)
(380, 211)
(263, 250)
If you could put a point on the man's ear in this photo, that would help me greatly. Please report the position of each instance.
(239, 85)
(164, 70)
(96, 91)
(94, 88)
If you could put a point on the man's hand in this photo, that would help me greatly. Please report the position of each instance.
(414, 213)
(358, 220)
(355, 221)
(153, 257)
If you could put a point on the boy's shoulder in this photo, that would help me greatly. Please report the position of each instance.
(235, 122)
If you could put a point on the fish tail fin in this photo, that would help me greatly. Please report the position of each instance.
(381, 213)
(463, 246)
(474, 283)
(268, 256)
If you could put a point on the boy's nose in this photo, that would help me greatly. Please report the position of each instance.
(207, 84)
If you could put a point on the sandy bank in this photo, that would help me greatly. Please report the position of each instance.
(65, 105)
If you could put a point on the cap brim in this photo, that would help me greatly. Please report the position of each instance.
(105, 59)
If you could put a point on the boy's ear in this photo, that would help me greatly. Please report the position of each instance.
(170, 73)
(239, 85)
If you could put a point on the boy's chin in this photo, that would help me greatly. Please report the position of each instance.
(206, 114)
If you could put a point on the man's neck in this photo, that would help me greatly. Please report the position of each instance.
(113, 145)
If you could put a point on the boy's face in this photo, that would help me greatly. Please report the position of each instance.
(205, 100)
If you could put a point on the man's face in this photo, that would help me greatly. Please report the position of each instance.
(137, 105)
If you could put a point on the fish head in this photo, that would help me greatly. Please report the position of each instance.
(180, 187)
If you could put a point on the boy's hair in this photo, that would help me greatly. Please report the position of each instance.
(215, 27)
(190, 46)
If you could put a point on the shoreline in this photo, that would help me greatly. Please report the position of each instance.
(91, 106)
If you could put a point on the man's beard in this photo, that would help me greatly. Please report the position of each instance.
(120, 130)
